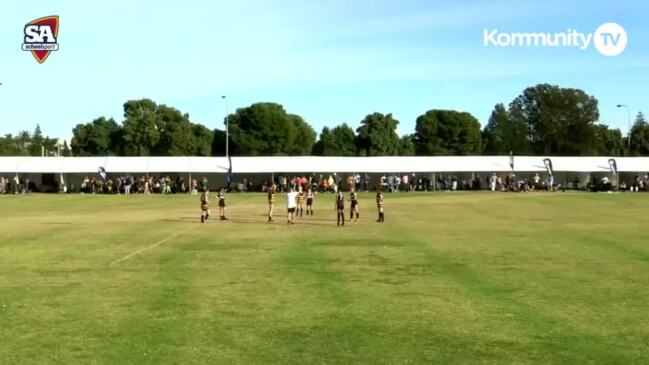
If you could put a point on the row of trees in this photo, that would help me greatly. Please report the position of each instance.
(543, 120)
(148, 130)
(549, 120)
(34, 143)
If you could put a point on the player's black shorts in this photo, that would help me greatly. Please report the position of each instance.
(309, 201)
(222, 203)
(341, 206)
(291, 210)
(354, 204)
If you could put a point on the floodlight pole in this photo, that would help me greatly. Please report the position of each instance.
(227, 127)
(628, 114)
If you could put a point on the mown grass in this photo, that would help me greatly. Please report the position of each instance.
(448, 278)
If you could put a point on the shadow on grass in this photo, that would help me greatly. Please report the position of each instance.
(279, 221)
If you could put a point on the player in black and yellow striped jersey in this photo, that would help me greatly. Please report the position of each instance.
(353, 198)
(301, 196)
(221, 197)
(271, 203)
(379, 205)
(340, 208)
(310, 197)
(205, 205)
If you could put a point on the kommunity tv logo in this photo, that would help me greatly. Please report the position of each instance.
(609, 39)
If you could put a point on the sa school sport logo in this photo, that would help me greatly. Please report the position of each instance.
(41, 37)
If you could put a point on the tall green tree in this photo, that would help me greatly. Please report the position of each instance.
(505, 133)
(203, 138)
(406, 146)
(303, 137)
(377, 136)
(24, 138)
(560, 121)
(609, 141)
(640, 136)
(28, 144)
(12, 146)
(218, 143)
(100, 137)
(267, 129)
(344, 140)
(326, 145)
(36, 142)
(260, 129)
(447, 132)
(141, 131)
(338, 141)
(175, 133)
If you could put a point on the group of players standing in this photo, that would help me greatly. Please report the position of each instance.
(205, 205)
(295, 204)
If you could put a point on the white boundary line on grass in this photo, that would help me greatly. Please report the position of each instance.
(156, 244)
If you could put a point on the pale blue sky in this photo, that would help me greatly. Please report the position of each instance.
(331, 61)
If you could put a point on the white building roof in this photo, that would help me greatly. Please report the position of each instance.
(302, 164)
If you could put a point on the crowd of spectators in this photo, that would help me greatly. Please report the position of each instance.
(14, 186)
(360, 182)
(166, 184)
(405, 182)
(637, 184)
(521, 184)
(141, 185)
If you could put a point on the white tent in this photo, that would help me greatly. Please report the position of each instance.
(302, 164)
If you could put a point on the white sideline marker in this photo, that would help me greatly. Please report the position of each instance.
(154, 245)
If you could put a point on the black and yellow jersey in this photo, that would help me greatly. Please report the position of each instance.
(300, 197)
(340, 201)
(379, 200)
(271, 197)
(205, 200)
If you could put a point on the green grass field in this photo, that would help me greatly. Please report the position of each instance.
(448, 278)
